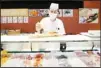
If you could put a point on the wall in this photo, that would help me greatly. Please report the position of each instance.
(94, 4)
(71, 23)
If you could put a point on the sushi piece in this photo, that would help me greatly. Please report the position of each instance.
(38, 60)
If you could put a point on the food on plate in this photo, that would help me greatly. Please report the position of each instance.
(38, 60)
(62, 56)
(49, 34)
(27, 61)
(90, 52)
(29, 57)
(4, 53)
(4, 56)
(62, 61)
(52, 32)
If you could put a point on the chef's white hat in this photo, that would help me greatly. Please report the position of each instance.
(54, 6)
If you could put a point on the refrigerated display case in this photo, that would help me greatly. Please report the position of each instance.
(31, 51)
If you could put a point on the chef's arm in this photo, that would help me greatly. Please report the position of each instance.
(39, 28)
(62, 29)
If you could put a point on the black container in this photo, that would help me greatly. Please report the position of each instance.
(63, 46)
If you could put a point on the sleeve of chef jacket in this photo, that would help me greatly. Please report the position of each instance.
(42, 22)
(61, 29)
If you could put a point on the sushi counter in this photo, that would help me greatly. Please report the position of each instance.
(52, 59)
(31, 42)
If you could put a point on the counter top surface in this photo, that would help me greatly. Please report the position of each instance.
(90, 35)
(33, 38)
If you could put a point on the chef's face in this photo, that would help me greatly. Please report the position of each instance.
(54, 11)
(53, 14)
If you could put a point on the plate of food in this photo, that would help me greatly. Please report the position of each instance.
(49, 34)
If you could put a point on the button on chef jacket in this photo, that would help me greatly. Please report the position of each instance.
(55, 26)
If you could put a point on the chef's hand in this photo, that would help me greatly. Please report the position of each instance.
(38, 27)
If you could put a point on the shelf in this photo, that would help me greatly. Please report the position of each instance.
(28, 51)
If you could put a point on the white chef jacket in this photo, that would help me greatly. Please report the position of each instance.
(56, 26)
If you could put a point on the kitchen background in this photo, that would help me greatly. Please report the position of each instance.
(71, 24)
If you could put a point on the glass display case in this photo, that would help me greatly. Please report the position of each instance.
(63, 51)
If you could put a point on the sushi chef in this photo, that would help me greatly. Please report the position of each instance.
(52, 23)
